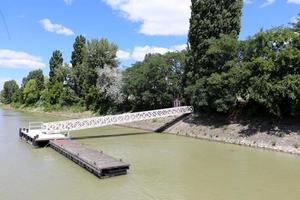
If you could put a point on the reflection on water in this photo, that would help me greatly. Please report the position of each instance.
(162, 167)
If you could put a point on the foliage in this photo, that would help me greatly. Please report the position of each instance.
(53, 95)
(38, 76)
(262, 70)
(78, 51)
(17, 97)
(275, 70)
(55, 64)
(209, 19)
(222, 86)
(100, 53)
(109, 84)
(78, 60)
(154, 82)
(9, 88)
(31, 92)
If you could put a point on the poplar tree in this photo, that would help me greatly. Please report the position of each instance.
(209, 19)
(55, 64)
(77, 56)
(78, 66)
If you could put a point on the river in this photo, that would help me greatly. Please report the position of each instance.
(162, 167)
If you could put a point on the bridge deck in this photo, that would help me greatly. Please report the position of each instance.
(96, 162)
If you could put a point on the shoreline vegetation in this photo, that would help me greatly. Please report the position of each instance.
(281, 136)
(66, 112)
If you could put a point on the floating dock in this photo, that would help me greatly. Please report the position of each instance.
(37, 138)
(96, 162)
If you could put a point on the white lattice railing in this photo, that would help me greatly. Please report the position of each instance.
(79, 124)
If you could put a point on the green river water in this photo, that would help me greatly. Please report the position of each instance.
(162, 167)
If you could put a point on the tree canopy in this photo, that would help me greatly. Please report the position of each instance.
(9, 88)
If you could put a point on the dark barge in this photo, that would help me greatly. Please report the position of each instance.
(96, 162)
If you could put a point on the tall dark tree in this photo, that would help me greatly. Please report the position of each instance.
(77, 56)
(55, 63)
(209, 19)
(77, 60)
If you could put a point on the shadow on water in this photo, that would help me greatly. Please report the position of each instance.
(110, 135)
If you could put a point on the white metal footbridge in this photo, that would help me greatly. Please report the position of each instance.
(57, 130)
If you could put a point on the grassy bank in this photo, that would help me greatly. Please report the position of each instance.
(66, 112)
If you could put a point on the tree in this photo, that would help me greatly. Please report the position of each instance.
(18, 97)
(31, 92)
(77, 59)
(154, 82)
(222, 85)
(9, 88)
(209, 19)
(109, 84)
(54, 95)
(273, 58)
(100, 53)
(78, 54)
(55, 63)
(38, 76)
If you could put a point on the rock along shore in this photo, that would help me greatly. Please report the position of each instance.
(281, 137)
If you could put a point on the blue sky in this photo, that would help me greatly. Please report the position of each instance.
(31, 29)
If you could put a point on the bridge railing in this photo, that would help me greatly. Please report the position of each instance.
(35, 125)
(79, 124)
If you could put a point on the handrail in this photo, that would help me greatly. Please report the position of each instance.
(35, 125)
(95, 122)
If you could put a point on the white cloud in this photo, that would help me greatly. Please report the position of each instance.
(19, 60)
(294, 1)
(139, 52)
(267, 3)
(123, 55)
(56, 28)
(68, 2)
(158, 17)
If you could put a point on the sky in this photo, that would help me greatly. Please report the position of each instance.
(30, 30)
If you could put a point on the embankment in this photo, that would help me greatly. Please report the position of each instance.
(282, 136)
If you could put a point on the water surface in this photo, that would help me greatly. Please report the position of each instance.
(162, 167)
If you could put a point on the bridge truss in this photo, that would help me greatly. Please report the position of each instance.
(95, 122)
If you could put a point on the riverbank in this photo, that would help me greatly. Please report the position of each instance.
(281, 136)
(64, 112)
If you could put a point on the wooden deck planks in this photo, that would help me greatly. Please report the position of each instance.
(100, 164)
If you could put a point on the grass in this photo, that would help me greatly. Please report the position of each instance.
(297, 145)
